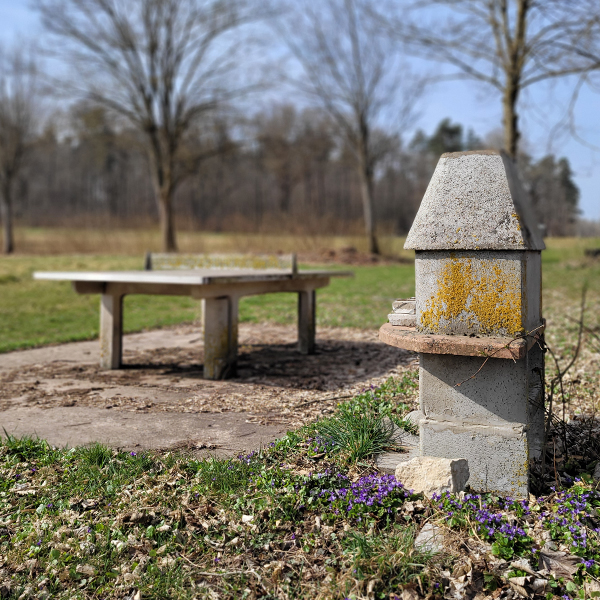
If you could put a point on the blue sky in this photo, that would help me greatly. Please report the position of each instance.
(464, 102)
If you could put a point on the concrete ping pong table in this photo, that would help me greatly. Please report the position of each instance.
(220, 290)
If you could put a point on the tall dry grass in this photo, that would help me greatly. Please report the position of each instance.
(128, 242)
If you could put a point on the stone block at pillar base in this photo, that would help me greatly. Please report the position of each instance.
(433, 475)
(497, 454)
(488, 392)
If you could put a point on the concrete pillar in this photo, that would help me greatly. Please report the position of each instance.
(307, 322)
(111, 331)
(220, 323)
(478, 282)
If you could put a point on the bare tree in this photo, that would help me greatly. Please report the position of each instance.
(165, 67)
(276, 136)
(506, 44)
(293, 144)
(19, 112)
(351, 68)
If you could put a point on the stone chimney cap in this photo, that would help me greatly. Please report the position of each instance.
(475, 201)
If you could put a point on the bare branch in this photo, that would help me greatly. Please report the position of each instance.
(350, 67)
(164, 66)
(508, 44)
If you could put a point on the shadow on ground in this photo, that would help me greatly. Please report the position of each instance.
(335, 363)
(159, 399)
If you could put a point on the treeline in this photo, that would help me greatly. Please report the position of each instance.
(283, 168)
(169, 113)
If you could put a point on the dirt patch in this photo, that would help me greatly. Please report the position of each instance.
(276, 387)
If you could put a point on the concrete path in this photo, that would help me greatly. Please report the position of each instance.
(159, 400)
(89, 352)
(219, 434)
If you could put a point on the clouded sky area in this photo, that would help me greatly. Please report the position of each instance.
(465, 102)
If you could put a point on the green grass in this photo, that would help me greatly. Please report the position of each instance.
(97, 523)
(358, 435)
(297, 519)
(34, 313)
(566, 269)
(366, 424)
(94, 522)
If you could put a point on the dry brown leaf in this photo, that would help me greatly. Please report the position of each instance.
(518, 585)
(278, 569)
(539, 585)
(30, 491)
(409, 594)
(560, 564)
(592, 587)
(85, 570)
(523, 565)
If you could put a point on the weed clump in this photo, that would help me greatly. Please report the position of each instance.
(359, 436)
(367, 424)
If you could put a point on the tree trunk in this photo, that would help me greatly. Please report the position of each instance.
(510, 119)
(167, 225)
(285, 190)
(321, 207)
(366, 194)
(161, 165)
(8, 244)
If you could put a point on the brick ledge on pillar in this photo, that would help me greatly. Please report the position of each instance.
(409, 338)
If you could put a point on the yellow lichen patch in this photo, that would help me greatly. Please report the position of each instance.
(452, 296)
(489, 302)
(516, 216)
(497, 304)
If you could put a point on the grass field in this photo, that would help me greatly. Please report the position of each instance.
(306, 518)
(34, 313)
(135, 242)
(309, 517)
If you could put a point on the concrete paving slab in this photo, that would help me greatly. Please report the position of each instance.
(219, 434)
(89, 352)
(160, 400)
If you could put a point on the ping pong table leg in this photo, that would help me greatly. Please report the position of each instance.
(220, 322)
(307, 306)
(111, 331)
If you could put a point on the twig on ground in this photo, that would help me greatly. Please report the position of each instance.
(555, 471)
(223, 574)
(322, 400)
(507, 346)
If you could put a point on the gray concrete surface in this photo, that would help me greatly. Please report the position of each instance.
(475, 201)
(226, 433)
(220, 290)
(489, 397)
(497, 456)
(492, 293)
(220, 434)
(89, 352)
(387, 462)
(160, 400)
